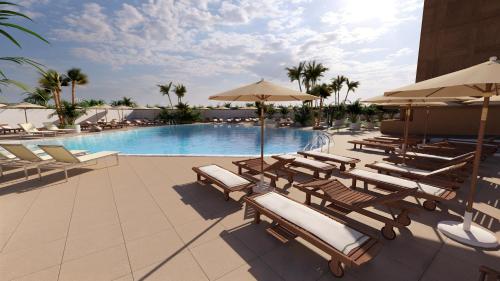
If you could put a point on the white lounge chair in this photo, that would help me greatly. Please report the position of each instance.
(415, 173)
(223, 178)
(313, 165)
(51, 127)
(30, 129)
(24, 157)
(66, 160)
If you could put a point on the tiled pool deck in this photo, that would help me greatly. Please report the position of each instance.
(147, 219)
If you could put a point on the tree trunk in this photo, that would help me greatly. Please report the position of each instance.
(73, 94)
(169, 100)
(346, 96)
(300, 88)
(57, 102)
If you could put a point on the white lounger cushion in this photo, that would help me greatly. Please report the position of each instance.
(305, 161)
(422, 187)
(334, 233)
(333, 157)
(228, 178)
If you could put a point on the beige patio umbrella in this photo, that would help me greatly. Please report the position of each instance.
(26, 106)
(104, 107)
(494, 100)
(121, 108)
(262, 91)
(482, 80)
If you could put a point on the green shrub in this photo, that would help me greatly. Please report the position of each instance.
(303, 115)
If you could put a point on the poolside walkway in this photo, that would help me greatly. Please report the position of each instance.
(147, 219)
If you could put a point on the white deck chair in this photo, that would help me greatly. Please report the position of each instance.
(66, 160)
(30, 129)
(22, 156)
(53, 128)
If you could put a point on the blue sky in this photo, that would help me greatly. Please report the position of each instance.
(127, 47)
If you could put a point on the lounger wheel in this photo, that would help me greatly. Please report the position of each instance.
(336, 268)
(388, 233)
(430, 205)
(404, 219)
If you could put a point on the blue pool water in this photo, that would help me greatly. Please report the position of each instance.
(198, 139)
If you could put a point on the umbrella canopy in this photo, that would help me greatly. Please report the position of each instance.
(479, 80)
(103, 107)
(2, 105)
(140, 107)
(262, 91)
(420, 101)
(482, 80)
(493, 100)
(25, 106)
(121, 107)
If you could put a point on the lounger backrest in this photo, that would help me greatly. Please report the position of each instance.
(59, 153)
(447, 169)
(28, 127)
(50, 126)
(21, 152)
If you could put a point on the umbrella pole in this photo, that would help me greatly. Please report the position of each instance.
(464, 232)
(96, 118)
(262, 144)
(405, 141)
(427, 113)
(25, 116)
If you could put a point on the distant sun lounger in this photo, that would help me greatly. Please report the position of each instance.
(449, 172)
(66, 160)
(345, 244)
(29, 129)
(223, 178)
(327, 157)
(272, 171)
(316, 166)
(432, 193)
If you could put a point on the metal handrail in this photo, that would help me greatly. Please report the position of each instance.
(320, 140)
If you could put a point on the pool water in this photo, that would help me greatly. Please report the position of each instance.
(197, 139)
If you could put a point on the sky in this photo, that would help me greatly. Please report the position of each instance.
(128, 47)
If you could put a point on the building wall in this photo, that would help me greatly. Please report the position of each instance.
(447, 121)
(457, 34)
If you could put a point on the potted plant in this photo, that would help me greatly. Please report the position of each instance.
(354, 110)
(70, 112)
(369, 112)
(339, 113)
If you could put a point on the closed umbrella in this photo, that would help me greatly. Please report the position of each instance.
(262, 91)
(26, 106)
(482, 80)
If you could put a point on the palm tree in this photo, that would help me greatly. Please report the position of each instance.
(74, 76)
(313, 72)
(180, 91)
(52, 82)
(6, 15)
(165, 90)
(124, 101)
(70, 111)
(91, 102)
(351, 87)
(39, 96)
(337, 84)
(323, 91)
(295, 73)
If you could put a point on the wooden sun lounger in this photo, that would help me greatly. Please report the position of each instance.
(431, 193)
(272, 171)
(429, 163)
(388, 148)
(225, 179)
(347, 245)
(327, 157)
(451, 172)
(345, 200)
(313, 165)
(488, 274)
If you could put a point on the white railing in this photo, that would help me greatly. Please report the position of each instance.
(320, 141)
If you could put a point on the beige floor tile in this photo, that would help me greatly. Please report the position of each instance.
(108, 264)
(86, 243)
(202, 231)
(154, 248)
(127, 277)
(181, 267)
(144, 226)
(26, 261)
(255, 237)
(222, 255)
(49, 274)
(449, 268)
(254, 270)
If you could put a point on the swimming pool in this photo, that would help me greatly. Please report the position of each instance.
(195, 139)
